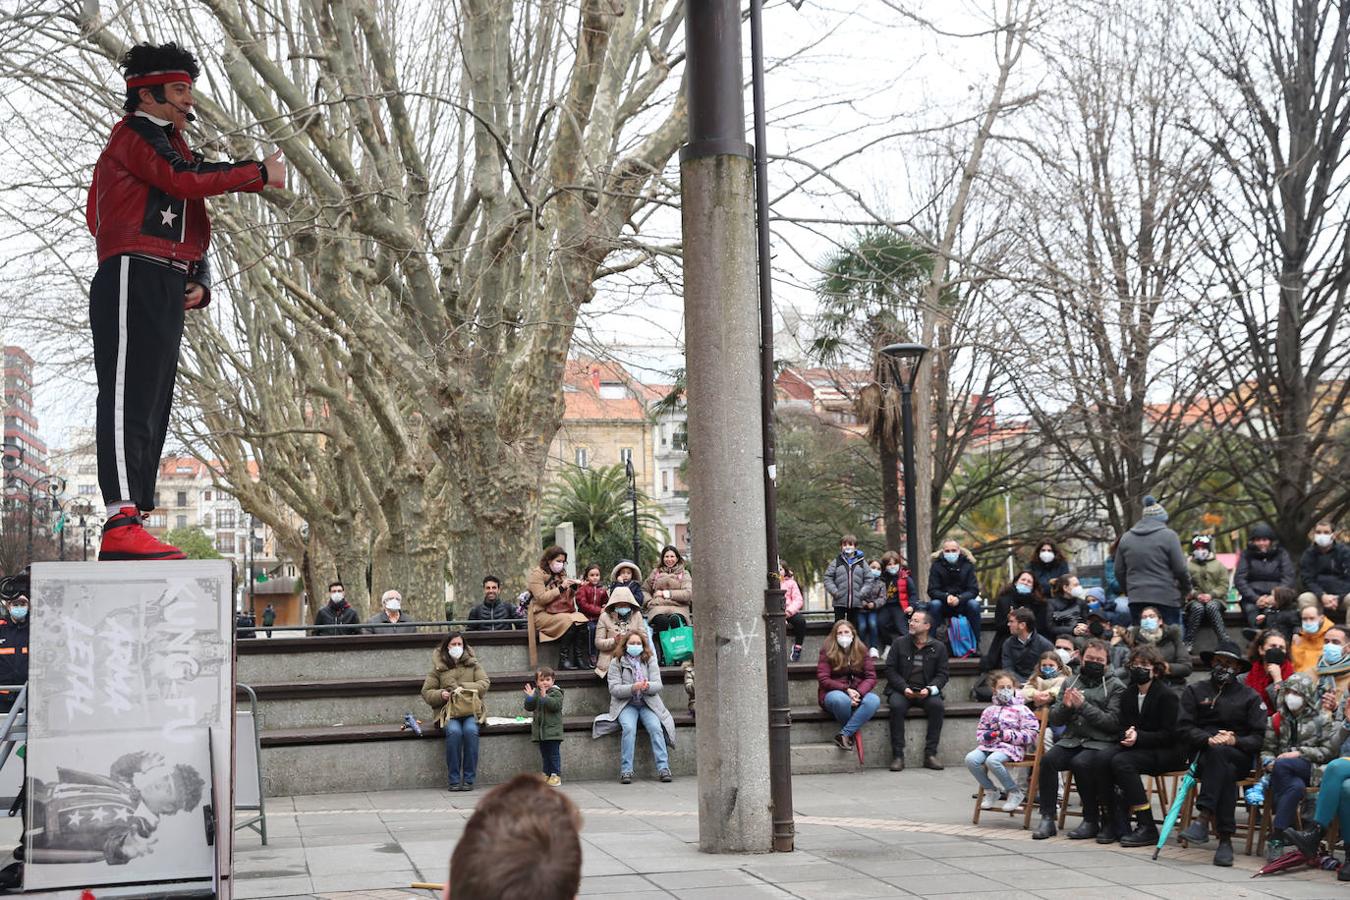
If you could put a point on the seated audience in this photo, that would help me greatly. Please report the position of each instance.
(1333, 669)
(1025, 646)
(627, 574)
(1020, 592)
(901, 597)
(1043, 687)
(634, 680)
(455, 688)
(1209, 590)
(553, 602)
(1148, 742)
(670, 602)
(621, 616)
(1047, 564)
(845, 676)
(916, 673)
(337, 611)
(1067, 648)
(1068, 609)
(1270, 665)
(793, 604)
(391, 616)
(1324, 570)
(494, 613)
(1298, 743)
(1333, 802)
(1262, 566)
(591, 600)
(1167, 640)
(952, 587)
(1006, 732)
(1306, 647)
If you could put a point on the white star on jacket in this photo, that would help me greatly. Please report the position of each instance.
(167, 216)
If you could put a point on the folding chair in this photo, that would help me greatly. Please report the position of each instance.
(1033, 764)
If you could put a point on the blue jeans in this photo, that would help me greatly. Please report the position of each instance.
(941, 612)
(869, 625)
(550, 757)
(1289, 780)
(628, 721)
(976, 760)
(851, 717)
(461, 741)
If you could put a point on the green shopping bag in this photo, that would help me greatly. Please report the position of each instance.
(677, 644)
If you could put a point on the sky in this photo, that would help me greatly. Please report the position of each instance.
(842, 74)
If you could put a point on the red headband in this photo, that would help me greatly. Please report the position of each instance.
(150, 79)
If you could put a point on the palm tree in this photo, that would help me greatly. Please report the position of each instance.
(596, 502)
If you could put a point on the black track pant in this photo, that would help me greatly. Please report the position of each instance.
(136, 315)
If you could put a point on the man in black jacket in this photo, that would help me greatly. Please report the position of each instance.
(1325, 570)
(953, 589)
(1223, 721)
(1262, 566)
(337, 611)
(916, 672)
(1148, 722)
(494, 613)
(1023, 648)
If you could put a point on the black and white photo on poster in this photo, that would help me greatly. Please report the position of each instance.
(126, 808)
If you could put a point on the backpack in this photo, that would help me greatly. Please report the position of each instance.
(959, 637)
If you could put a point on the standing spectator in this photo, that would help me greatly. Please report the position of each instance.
(793, 604)
(1325, 570)
(916, 673)
(337, 611)
(1262, 566)
(1047, 563)
(1148, 722)
(1005, 731)
(494, 613)
(1224, 722)
(545, 700)
(620, 618)
(14, 635)
(591, 600)
(845, 676)
(269, 618)
(1043, 687)
(1149, 565)
(1301, 740)
(846, 580)
(1307, 643)
(869, 617)
(1167, 640)
(1025, 645)
(1209, 589)
(391, 616)
(553, 598)
(952, 587)
(635, 695)
(455, 687)
(1022, 591)
(627, 574)
(670, 596)
(1068, 608)
(1090, 714)
(900, 596)
(1268, 655)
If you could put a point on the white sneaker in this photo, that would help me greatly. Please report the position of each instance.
(873, 653)
(1014, 800)
(990, 798)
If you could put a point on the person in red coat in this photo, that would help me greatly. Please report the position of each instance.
(591, 600)
(1269, 654)
(845, 676)
(147, 213)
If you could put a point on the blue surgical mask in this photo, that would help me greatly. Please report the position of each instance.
(1332, 653)
(873, 573)
(1149, 624)
(18, 613)
(633, 649)
(893, 570)
(1022, 588)
(951, 557)
(1049, 671)
(1311, 627)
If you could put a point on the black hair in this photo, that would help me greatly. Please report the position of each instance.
(671, 548)
(145, 58)
(333, 584)
(493, 578)
(1025, 617)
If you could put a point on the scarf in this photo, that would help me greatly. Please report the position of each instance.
(1151, 637)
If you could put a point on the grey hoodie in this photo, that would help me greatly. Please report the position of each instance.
(1150, 566)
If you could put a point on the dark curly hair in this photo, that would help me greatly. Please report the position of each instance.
(144, 58)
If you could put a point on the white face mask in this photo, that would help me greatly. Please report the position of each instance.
(845, 641)
(1323, 540)
(336, 596)
(1077, 592)
(456, 651)
(1047, 557)
(1064, 655)
(1201, 555)
(1294, 702)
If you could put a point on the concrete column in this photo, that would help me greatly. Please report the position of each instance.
(726, 501)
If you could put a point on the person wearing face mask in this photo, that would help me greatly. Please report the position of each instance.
(1306, 647)
(1089, 712)
(1300, 741)
(337, 611)
(1148, 746)
(1209, 589)
(1068, 608)
(1007, 729)
(916, 675)
(14, 638)
(845, 676)
(1021, 592)
(952, 587)
(1047, 564)
(869, 617)
(899, 593)
(1262, 566)
(846, 580)
(1167, 640)
(793, 604)
(1333, 669)
(1222, 723)
(455, 688)
(391, 616)
(1324, 570)
(1066, 648)
(1270, 666)
(1044, 685)
(553, 599)
(620, 618)
(1150, 567)
(634, 681)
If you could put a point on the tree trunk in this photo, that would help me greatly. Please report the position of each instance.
(889, 458)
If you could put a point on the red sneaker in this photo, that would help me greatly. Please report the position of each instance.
(125, 538)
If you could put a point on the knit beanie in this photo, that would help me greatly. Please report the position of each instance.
(1153, 509)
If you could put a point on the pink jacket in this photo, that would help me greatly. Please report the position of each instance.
(1009, 729)
(793, 599)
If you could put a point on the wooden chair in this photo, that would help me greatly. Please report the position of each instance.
(1156, 787)
(1033, 765)
(1249, 829)
(1268, 822)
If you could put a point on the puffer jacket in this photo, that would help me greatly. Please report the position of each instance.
(1170, 646)
(1209, 577)
(1065, 614)
(846, 581)
(874, 592)
(1260, 573)
(1311, 733)
(1009, 728)
(591, 600)
(681, 587)
(793, 601)
(467, 683)
(956, 578)
(1095, 724)
(1326, 571)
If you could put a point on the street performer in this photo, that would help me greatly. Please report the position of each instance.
(147, 212)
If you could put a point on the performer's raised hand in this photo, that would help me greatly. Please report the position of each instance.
(276, 170)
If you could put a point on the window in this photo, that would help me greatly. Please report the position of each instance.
(680, 439)
(582, 458)
(290, 571)
(206, 495)
(625, 454)
(665, 442)
(88, 490)
(180, 521)
(224, 519)
(612, 390)
(156, 520)
(665, 481)
(225, 541)
(182, 498)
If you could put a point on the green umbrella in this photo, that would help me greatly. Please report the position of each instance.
(1178, 804)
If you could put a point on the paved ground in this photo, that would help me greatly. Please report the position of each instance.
(872, 834)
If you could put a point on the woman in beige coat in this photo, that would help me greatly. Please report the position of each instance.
(455, 688)
(670, 595)
(553, 600)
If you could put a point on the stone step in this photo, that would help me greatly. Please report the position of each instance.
(822, 759)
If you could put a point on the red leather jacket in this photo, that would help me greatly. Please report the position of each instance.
(149, 190)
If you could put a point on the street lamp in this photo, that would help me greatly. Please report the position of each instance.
(907, 359)
(632, 499)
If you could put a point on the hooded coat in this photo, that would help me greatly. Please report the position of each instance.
(1008, 728)
(611, 628)
(1260, 573)
(1170, 646)
(956, 578)
(1209, 577)
(1150, 566)
(633, 584)
(1310, 732)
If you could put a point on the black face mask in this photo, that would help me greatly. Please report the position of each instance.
(1222, 676)
(1094, 671)
(1276, 656)
(1141, 675)
(1096, 629)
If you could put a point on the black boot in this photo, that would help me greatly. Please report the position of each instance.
(1344, 873)
(566, 651)
(1308, 841)
(1145, 833)
(581, 647)
(1223, 854)
(1086, 829)
(1044, 829)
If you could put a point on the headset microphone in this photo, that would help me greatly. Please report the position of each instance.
(187, 114)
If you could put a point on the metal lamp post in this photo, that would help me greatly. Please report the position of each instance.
(907, 358)
(632, 499)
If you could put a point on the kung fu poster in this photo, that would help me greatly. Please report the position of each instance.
(130, 717)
